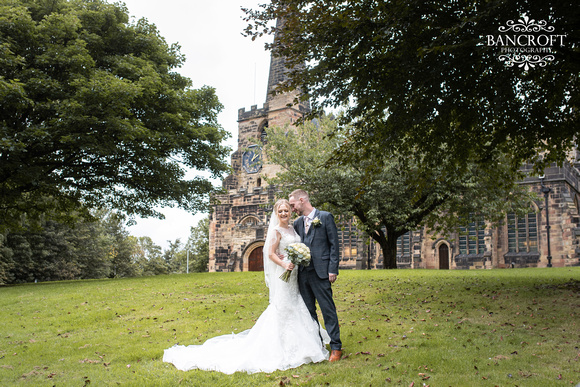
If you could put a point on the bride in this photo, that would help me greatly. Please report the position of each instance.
(285, 335)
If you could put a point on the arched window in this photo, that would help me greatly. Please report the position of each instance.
(522, 233)
(472, 238)
(263, 133)
(347, 237)
(249, 221)
(404, 247)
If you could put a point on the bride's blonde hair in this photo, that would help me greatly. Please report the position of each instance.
(280, 203)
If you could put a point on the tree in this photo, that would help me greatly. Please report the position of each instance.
(56, 251)
(422, 76)
(91, 246)
(6, 261)
(175, 257)
(401, 197)
(98, 247)
(198, 246)
(120, 246)
(147, 257)
(94, 112)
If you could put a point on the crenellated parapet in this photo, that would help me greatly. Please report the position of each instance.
(253, 113)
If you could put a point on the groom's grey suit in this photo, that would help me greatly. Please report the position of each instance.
(313, 279)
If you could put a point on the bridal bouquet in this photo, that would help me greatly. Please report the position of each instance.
(298, 254)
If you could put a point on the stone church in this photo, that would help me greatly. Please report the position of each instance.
(549, 235)
(239, 222)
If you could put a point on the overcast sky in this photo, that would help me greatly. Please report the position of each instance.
(217, 55)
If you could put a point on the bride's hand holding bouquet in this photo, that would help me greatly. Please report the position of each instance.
(298, 254)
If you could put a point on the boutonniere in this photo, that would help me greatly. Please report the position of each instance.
(316, 222)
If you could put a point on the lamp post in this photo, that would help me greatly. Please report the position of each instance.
(546, 191)
(369, 259)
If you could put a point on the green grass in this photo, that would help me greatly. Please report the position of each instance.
(511, 327)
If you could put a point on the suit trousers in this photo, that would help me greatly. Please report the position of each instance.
(312, 289)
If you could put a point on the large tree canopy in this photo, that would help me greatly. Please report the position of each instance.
(401, 197)
(423, 75)
(94, 112)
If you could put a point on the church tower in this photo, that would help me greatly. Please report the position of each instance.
(238, 223)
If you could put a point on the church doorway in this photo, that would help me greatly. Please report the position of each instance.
(443, 257)
(256, 260)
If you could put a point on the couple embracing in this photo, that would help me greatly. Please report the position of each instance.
(287, 334)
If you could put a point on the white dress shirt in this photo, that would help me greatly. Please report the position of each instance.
(308, 219)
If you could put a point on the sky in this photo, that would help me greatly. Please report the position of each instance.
(217, 55)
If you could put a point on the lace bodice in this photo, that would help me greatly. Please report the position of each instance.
(289, 236)
(284, 292)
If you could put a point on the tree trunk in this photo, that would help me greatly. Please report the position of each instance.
(390, 251)
(388, 245)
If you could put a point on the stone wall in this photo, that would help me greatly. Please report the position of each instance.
(239, 220)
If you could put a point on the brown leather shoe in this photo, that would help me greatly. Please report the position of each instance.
(335, 355)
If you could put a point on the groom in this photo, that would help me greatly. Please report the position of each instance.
(317, 230)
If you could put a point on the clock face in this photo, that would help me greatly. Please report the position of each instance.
(252, 159)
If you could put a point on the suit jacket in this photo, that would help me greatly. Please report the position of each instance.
(322, 241)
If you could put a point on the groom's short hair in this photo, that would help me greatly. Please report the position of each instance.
(300, 193)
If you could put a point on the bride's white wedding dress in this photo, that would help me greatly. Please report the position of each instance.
(285, 336)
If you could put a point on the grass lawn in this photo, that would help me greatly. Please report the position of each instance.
(510, 327)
